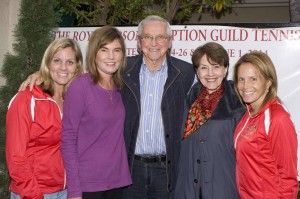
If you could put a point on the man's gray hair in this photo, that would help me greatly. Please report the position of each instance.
(152, 18)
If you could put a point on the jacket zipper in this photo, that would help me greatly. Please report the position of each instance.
(165, 129)
(138, 123)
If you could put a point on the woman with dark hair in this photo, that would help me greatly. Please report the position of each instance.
(93, 146)
(207, 158)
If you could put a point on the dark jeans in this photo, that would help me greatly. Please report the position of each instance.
(149, 181)
(109, 194)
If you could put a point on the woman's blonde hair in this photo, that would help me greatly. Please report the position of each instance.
(264, 65)
(53, 48)
(101, 37)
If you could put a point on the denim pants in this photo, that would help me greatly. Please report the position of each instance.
(149, 181)
(57, 195)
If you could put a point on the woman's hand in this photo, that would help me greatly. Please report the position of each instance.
(32, 79)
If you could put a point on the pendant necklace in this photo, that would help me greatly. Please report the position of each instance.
(110, 95)
(109, 92)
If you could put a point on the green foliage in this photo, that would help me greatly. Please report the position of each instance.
(128, 12)
(104, 12)
(218, 5)
(4, 177)
(184, 9)
(32, 35)
(131, 12)
(183, 15)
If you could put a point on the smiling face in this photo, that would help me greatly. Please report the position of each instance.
(154, 50)
(251, 85)
(63, 66)
(109, 58)
(210, 75)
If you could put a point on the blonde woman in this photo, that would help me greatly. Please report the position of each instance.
(34, 123)
(265, 139)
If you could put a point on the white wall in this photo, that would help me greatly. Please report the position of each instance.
(8, 19)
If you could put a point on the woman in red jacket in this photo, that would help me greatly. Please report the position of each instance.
(33, 127)
(265, 139)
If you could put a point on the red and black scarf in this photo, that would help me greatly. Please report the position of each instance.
(201, 109)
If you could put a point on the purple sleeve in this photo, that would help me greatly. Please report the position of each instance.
(72, 112)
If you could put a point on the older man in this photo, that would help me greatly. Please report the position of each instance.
(154, 95)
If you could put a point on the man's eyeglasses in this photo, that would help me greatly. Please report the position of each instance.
(159, 38)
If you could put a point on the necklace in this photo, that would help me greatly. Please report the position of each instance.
(110, 94)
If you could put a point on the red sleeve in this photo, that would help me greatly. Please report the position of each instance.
(18, 122)
(283, 139)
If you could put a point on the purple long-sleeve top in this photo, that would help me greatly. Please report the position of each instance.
(93, 145)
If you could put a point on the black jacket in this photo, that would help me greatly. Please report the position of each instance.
(179, 81)
(207, 159)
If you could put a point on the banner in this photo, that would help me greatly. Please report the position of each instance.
(281, 44)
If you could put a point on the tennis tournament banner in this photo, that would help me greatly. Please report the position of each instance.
(282, 44)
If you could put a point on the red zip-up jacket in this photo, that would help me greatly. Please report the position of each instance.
(266, 154)
(33, 138)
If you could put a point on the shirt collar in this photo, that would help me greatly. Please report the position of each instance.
(161, 69)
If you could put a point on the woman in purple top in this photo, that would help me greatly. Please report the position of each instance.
(93, 145)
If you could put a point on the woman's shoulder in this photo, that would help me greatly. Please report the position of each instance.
(37, 92)
(24, 97)
(82, 79)
(80, 85)
(193, 93)
(278, 110)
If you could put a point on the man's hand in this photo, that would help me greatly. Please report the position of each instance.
(32, 79)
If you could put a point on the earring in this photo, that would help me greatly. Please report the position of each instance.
(267, 90)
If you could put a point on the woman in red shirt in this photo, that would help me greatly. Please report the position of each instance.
(33, 126)
(265, 139)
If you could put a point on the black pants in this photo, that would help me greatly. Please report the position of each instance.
(109, 194)
(149, 181)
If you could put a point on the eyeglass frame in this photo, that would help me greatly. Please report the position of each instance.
(158, 38)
